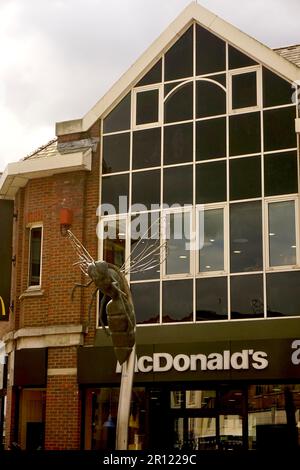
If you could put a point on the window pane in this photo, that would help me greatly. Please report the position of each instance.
(210, 99)
(112, 188)
(145, 246)
(177, 301)
(210, 52)
(237, 59)
(283, 297)
(244, 134)
(178, 185)
(153, 76)
(114, 238)
(145, 296)
(245, 178)
(35, 256)
(282, 235)
(211, 182)
(179, 105)
(119, 118)
(276, 91)
(247, 296)
(279, 129)
(178, 144)
(179, 59)
(116, 153)
(146, 148)
(147, 107)
(200, 399)
(246, 236)
(281, 173)
(178, 239)
(211, 255)
(211, 298)
(244, 90)
(146, 188)
(211, 139)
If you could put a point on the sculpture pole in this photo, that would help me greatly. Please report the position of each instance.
(124, 402)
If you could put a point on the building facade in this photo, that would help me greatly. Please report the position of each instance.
(187, 174)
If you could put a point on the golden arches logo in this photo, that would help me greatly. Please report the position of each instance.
(2, 307)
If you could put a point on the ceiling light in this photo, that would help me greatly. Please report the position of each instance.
(293, 246)
(271, 234)
(237, 252)
(212, 240)
(208, 267)
(183, 257)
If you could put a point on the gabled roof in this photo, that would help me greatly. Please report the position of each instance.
(291, 53)
(47, 150)
(193, 12)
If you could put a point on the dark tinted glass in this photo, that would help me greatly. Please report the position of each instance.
(244, 90)
(116, 153)
(211, 228)
(246, 236)
(244, 134)
(210, 52)
(179, 59)
(35, 256)
(237, 59)
(119, 118)
(114, 240)
(178, 143)
(283, 297)
(179, 105)
(146, 107)
(211, 182)
(178, 185)
(145, 243)
(177, 301)
(146, 148)
(279, 128)
(146, 302)
(210, 99)
(247, 299)
(281, 173)
(146, 188)
(153, 76)
(245, 178)
(282, 233)
(276, 91)
(211, 298)
(178, 236)
(211, 139)
(112, 188)
(170, 86)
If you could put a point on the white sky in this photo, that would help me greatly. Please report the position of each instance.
(58, 57)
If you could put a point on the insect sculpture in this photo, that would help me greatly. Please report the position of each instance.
(111, 281)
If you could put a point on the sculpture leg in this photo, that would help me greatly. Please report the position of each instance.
(101, 313)
(79, 285)
(91, 304)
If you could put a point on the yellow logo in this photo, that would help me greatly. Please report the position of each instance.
(2, 307)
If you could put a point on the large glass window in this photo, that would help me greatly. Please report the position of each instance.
(244, 90)
(179, 104)
(245, 178)
(246, 237)
(211, 298)
(247, 298)
(279, 129)
(147, 107)
(244, 134)
(112, 188)
(146, 150)
(281, 174)
(146, 188)
(210, 99)
(211, 182)
(177, 298)
(210, 52)
(153, 76)
(211, 139)
(119, 118)
(283, 297)
(211, 253)
(177, 232)
(237, 59)
(114, 241)
(35, 260)
(145, 296)
(282, 233)
(178, 143)
(178, 185)
(179, 58)
(276, 91)
(116, 153)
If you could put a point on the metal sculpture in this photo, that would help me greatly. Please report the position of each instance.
(111, 281)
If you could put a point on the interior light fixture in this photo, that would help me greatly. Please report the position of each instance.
(237, 252)
(271, 234)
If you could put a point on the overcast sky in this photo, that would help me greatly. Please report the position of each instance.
(58, 57)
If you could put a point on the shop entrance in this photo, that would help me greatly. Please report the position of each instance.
(201, 419)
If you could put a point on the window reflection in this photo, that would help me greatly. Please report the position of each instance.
(114, 238)
(178, 239)
(211, 298)
(283, 294)
(178, 144)
(282, 236)
(211, 139)
(247, 298)
(177, 301)
(116, 153)
(211, 255)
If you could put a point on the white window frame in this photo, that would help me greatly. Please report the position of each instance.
(165, 214)
(100, 229)
(210, 207)
(232, 73)
(31, 227)
(141, 89)
(272, 200)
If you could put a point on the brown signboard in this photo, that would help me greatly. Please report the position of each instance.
(6, 225)
(277, 359)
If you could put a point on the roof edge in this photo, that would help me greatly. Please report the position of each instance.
(193, 12)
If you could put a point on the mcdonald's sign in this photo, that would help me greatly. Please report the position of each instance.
(6, 225)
